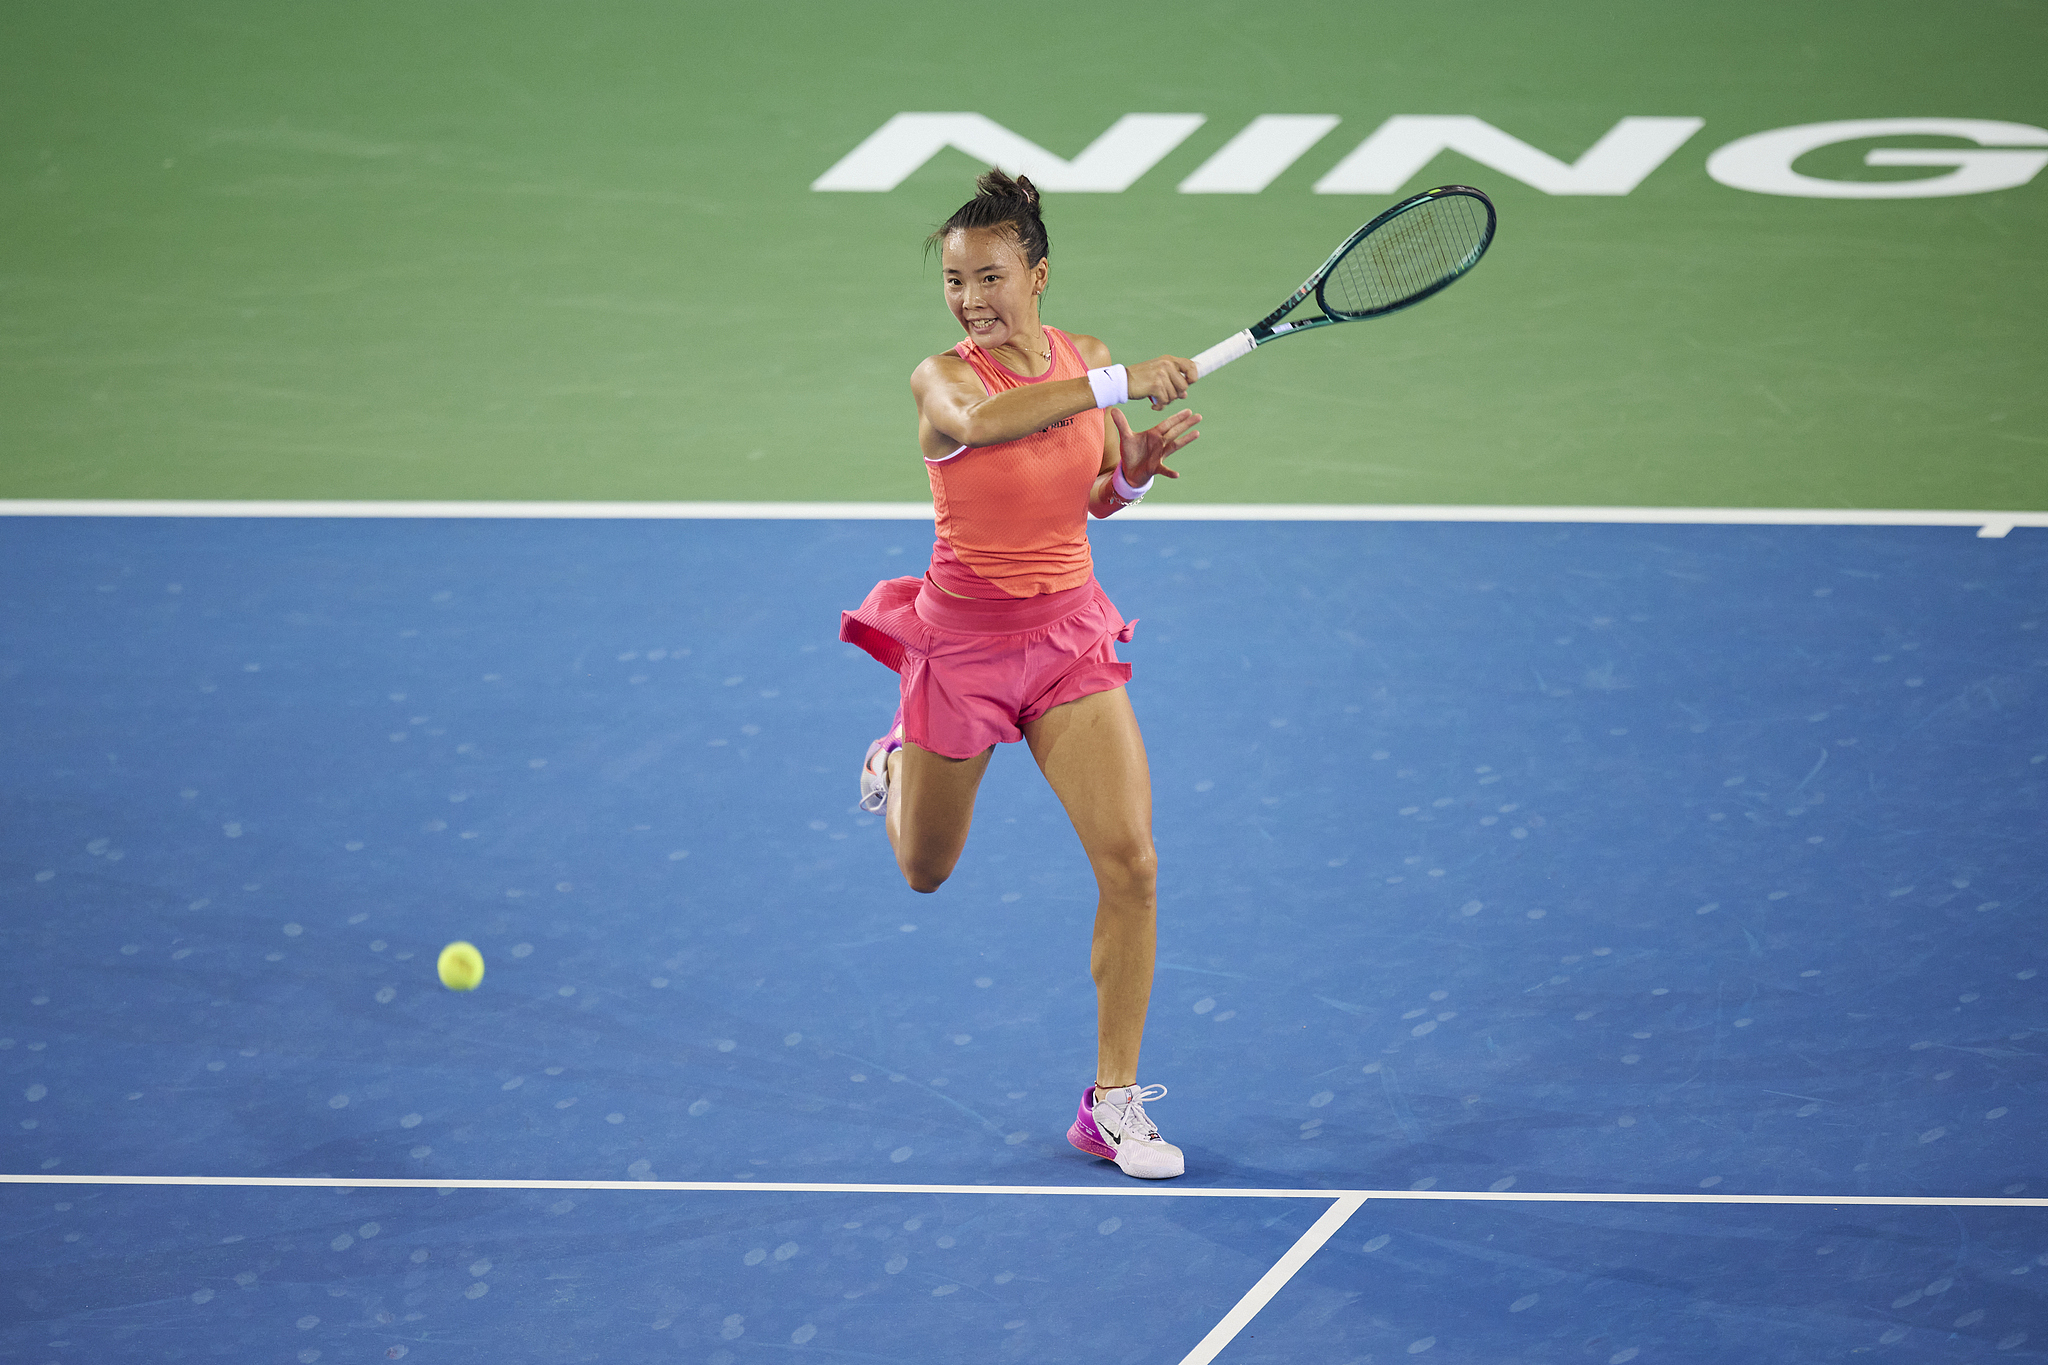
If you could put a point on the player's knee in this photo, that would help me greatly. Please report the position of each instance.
(925, 875)
(1132, 869)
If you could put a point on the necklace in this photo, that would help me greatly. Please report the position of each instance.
(1045, 354)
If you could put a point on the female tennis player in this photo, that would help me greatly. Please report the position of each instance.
(1008, 636)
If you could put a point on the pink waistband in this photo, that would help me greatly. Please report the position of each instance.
(1010, 616)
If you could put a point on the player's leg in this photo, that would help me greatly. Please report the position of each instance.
(1092, 753)
(931, 806)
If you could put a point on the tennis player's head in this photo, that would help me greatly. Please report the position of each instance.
(992, 257)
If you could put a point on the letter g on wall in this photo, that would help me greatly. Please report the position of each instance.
(1762, 162)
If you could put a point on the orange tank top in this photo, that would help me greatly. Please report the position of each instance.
(1012, 518)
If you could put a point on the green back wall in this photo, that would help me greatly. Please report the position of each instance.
(554, 251)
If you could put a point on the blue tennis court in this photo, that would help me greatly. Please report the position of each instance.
(1666, 867)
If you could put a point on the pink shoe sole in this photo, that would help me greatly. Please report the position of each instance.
(1084, 1134)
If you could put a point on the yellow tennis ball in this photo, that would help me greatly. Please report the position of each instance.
(461, 966)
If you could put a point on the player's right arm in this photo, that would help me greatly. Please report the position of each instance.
(953, 410)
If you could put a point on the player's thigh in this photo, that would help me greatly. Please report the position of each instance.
(1093, 754)
(934, 804)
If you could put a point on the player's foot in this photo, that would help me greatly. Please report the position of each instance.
(1115, 1127)
(874, 769)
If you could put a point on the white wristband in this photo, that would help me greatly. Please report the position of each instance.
(1112, 385)
(1124, 490)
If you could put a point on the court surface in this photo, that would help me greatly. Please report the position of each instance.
(1667, 867)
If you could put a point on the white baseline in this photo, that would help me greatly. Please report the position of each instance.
(1987, 523)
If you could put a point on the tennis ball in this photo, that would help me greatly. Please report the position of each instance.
(461, 966)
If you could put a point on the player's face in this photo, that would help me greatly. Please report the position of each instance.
(992, 293)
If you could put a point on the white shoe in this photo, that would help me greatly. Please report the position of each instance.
(874, 769)
(1116, 1126)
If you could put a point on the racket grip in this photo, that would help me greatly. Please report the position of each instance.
(1223, 352)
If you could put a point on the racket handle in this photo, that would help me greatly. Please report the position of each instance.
(1223, 352)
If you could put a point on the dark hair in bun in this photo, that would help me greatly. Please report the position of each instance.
(1000, 202)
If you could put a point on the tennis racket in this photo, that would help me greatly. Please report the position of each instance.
(1411, 251)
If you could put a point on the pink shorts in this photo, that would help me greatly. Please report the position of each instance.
(973, 672)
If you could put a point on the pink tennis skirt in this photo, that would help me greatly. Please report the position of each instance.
(974, 672)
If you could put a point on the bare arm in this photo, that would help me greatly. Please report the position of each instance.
(952, 409)
(1141, 453)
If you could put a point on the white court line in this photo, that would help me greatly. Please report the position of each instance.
(1991, 524)
(328, 1182)
(1273, 1281)
(1344, 1204)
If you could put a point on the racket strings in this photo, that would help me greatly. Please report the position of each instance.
(1432, 243)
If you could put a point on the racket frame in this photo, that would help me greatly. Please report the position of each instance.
(1271, 327)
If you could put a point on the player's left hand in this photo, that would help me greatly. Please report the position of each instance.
(1145, 452)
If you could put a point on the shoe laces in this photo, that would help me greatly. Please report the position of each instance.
(1135, 1120)
(874, 794)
